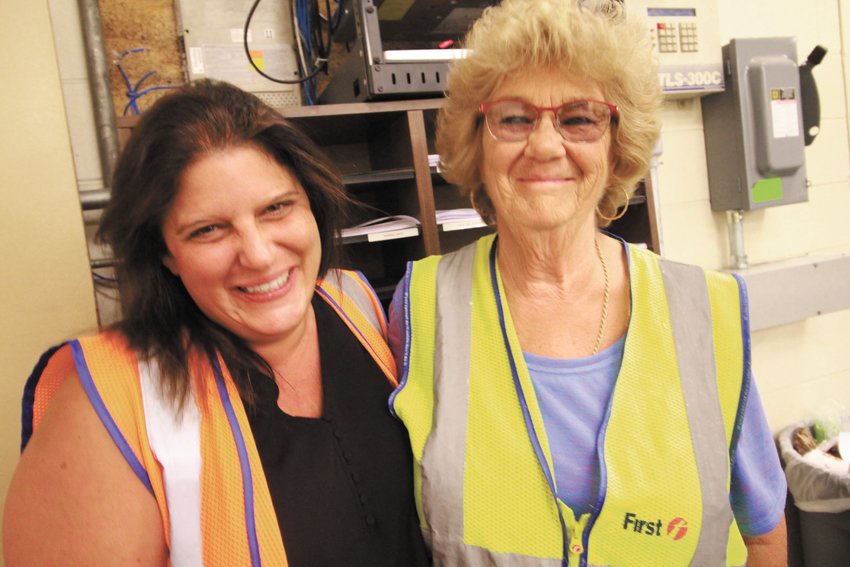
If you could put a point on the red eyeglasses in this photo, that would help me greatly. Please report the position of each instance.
(513, 120)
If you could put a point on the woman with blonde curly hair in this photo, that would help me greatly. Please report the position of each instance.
(572, 398)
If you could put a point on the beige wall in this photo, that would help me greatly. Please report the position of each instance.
(46, 292)
(801, 369)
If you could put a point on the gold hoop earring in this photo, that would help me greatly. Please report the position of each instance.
(619, 215)
(486, 212)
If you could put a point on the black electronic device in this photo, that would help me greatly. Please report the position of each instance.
(401, 48)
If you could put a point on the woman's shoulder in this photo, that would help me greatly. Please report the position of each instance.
(102, 363)
(641, 253)
(73, 357)
(104, 338)
(111, 338)
(467, 253)
(70, 436)
(342, 280)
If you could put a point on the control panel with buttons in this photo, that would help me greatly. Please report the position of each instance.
(685, 35)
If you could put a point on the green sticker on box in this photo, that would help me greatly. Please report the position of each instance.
(767, 190)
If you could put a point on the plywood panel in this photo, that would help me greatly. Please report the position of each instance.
(152, 26)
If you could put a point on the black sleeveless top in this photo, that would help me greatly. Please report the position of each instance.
(341, 484)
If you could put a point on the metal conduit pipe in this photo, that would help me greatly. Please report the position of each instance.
(737, 253)
(94, 200)
(654, 200)
(98, 69)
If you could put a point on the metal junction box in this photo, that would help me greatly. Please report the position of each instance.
(754, 134)
(212, 34)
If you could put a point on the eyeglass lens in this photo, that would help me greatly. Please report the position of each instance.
(579, 121)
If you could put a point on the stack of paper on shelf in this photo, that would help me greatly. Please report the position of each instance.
(384, 228)
(459, 219)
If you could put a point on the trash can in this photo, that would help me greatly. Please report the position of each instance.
(822, 500)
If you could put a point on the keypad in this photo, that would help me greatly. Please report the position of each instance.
(688, 37)
(668, 41)
(672, 37)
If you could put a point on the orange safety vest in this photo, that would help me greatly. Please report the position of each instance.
(236, 523)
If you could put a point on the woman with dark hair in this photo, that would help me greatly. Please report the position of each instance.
(236, 415)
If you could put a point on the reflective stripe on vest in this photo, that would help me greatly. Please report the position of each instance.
(176, 440)
(443, 457)
(354, 300)
(176, 443)
(690, 316)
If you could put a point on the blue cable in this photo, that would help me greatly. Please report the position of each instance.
(133, 92)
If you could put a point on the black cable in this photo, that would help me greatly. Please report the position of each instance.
(315, 23)
(325, 46)
(304, 79)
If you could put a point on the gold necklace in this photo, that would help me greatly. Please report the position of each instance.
(601, 332)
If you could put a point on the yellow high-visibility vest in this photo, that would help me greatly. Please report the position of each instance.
(483, 470)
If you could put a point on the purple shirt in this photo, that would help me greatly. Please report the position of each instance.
(573, 395)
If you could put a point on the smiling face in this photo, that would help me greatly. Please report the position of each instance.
(545, 182)
(244, 242)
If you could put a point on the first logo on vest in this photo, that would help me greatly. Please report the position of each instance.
(676, 528)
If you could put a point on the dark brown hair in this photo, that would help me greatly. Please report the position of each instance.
(159, 318)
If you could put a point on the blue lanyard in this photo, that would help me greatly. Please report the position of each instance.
(526, 414)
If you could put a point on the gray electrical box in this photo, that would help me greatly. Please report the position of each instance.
(212, 35)
(754, 135)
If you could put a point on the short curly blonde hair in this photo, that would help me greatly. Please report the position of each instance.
(592, 39)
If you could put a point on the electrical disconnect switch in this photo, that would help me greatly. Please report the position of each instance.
(757, 129)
